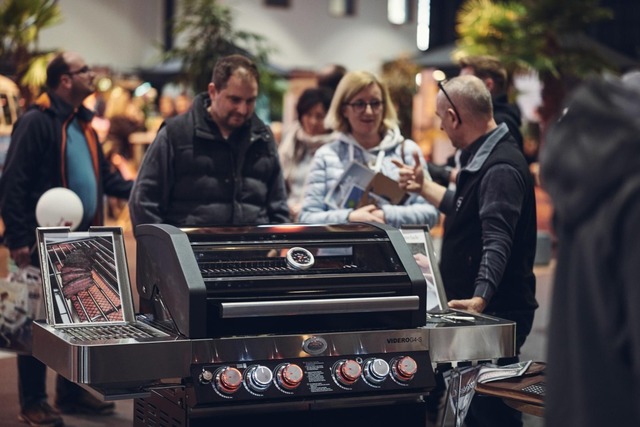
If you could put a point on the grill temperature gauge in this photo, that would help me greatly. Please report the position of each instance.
(299, 258)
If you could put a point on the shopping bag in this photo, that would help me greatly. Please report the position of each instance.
(21, 302)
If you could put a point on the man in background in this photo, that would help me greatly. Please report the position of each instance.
(496, 78)
(217, 164)
(489, 239)
(54, 145)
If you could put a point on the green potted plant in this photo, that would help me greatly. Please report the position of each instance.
(204, 32)
(20, 24)
(535, 35)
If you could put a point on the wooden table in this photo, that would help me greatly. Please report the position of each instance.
(510, 390)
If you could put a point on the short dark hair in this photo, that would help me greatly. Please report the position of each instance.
(331, 76)
(56, 68)
(310, 98)
(227, 65)
(485, 66)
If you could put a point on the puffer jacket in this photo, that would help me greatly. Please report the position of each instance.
(192, 176)
(331, 160)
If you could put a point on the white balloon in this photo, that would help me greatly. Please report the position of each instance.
(59, 207)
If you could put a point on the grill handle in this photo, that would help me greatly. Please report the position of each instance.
(231, 310)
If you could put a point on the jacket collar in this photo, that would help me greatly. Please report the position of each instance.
(204, 125)
(485, 146)
(49, 101)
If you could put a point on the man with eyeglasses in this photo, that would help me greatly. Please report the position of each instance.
(489, 239)
(496, 78)
(54, 145)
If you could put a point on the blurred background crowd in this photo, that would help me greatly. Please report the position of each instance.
(546, 48)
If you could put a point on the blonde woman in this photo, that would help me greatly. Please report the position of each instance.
(365, 119)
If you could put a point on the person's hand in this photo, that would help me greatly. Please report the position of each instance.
(294, 211)
(411, 178)
(421, 260)
(368, 213)
(379, 213)
(475, 304)
(21, 256)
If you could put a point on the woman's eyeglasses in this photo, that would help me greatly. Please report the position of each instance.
(455, 110)
(361, 106)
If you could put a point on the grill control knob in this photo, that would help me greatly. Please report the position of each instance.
(375, 370)
(206, 376)
(228, 380)
(289, 376)
(403, 369)
(347, 372)
(258, 378)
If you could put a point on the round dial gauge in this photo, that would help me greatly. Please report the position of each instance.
(299, 258)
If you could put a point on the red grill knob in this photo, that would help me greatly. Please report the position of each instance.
(347, 372)
(228, 380)
(289, 376)
(404, 368)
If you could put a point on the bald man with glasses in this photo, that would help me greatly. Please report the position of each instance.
(489, 239)
(54, 145)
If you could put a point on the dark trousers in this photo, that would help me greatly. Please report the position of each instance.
(32, 383)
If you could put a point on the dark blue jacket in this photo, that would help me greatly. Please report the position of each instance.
(36, 162)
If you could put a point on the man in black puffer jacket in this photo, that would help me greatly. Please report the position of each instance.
(217, 164)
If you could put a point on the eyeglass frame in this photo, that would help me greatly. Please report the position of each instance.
(362, 104)
(453, 106)
(83, 70)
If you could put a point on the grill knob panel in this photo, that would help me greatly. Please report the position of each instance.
(403, 369)
(228, 380)
(347, 372)
(375, 370)
(258, 378)
(289, 376)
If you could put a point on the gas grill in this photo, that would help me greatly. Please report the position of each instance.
(244, 324)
